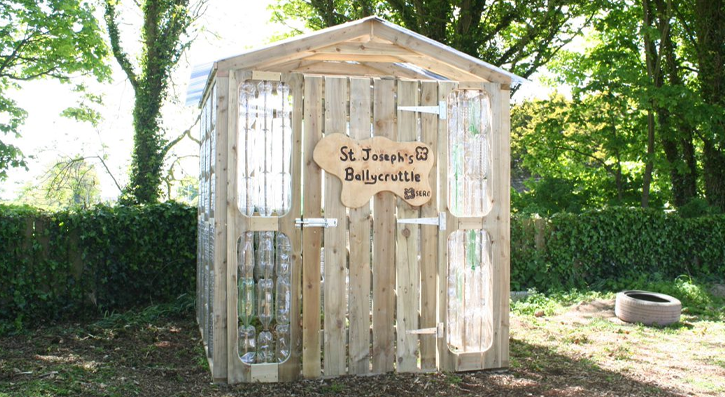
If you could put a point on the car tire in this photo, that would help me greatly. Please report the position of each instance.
(648, 308)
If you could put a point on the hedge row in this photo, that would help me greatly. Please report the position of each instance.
(593, 248)
(55, 265)
(114, 258)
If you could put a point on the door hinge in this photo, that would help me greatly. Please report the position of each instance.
(440, 221)
(441, 110)
(437, 331)
(316, 222)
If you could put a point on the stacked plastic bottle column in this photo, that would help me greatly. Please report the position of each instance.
(245, 272)
(469, 291)
(247, 150)
(265, 296)
(264, 184)
(283, 297)
(469, 158)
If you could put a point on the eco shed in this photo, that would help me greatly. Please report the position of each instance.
(354, 208)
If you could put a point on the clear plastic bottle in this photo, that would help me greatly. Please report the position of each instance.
(247, 344)
(265, 347)
(282, 351)
(265, 255)
(265, 302)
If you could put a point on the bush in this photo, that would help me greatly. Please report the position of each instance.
(593, 248)
(68, 264)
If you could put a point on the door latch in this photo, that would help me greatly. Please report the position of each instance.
(441, 110)
(437, 331)
(440, 221)
(316, 222)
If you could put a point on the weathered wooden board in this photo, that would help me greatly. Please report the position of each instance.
(384, 122)
(429, 236)
(219, 193)
(335, 239)
(359, 306)
(375, 165)
(406, 254)
(290, 369)
(311, 237)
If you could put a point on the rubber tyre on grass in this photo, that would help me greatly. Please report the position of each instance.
(648, 308)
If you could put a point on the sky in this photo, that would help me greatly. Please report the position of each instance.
(227, 27)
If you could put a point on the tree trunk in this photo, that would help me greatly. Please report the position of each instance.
(710, 30)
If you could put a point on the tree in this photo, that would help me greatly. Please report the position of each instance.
(163, 40)
(70, 183)
(577, 154)
(55, 39)
(521, 35)
(703, 24)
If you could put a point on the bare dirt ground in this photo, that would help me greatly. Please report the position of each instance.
(585, 351)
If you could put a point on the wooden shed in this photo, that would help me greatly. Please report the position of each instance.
(354, 208)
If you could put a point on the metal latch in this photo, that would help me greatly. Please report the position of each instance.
(440, 221)
(437, 331)
(316, 222)
(441, 110)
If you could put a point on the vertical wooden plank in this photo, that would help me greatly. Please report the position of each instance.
(219, 371)
(429, 235)
(497, 223)
(359, 306)
(290, 369)
(335, 238)
(445, 357)
(406, 254)
(384, 239)
(234, 364)
(505, 230)
(311, 237)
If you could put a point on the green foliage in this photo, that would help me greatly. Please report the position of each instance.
(596, 247)
(69, 184)
(67, 264)
(55, 39)
(553, 302)
(163, 39)
(523, 35)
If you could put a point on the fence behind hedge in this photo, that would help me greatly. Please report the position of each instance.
(590, 249)
(54, 265)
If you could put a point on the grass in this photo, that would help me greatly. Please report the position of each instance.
(685, 356)
(556, 348)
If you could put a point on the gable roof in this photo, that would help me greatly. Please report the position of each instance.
(367, 47)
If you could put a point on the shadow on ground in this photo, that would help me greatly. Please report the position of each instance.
(165, 359)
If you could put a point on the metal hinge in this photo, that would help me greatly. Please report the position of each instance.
(441, 110)
(437, 331)
(440, 221)
(316, 222)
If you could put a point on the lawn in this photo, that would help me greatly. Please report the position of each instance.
(565, 344)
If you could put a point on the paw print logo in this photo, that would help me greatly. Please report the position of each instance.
(409, 193)
(421, 153)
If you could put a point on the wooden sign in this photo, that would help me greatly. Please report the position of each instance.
(378, 164)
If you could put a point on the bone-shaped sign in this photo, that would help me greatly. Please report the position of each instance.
(378, 164)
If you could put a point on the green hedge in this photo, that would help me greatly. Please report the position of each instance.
(56, 265)
(594, 248)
